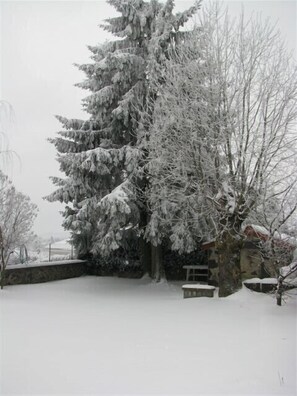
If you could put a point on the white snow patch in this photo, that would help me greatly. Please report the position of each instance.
(269, 281)
(281, 236)
(207, 242)
(287, 269)
(258, 229)
(292, 278)
(198, 286)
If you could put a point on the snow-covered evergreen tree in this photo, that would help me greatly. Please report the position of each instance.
(102, 157)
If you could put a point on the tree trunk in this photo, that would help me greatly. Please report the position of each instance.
(279, 291)
(228, 249)
(158, 272)
(145, 256)
(150, 255)
(2, 279)
(2, 260)
(2, 265)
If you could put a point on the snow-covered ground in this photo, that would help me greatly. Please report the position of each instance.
(103, 336)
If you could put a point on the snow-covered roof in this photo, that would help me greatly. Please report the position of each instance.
(265, 281)
(263, 233)
(259, 232)
(257, 228)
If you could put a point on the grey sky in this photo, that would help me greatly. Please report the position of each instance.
(40, 41)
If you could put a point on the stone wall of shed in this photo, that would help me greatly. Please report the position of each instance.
(213, 268)
(253, 263)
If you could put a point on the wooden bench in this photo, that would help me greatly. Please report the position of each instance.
(196, 271)
(198, 291)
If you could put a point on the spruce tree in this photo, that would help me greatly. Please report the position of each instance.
(103, 157)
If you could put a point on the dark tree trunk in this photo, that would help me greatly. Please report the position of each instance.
(228, 249)
(158, 272)
(279, 291)
(2, 260)
(2, 279)
(2, 269)
(145, 256)
(151, 257)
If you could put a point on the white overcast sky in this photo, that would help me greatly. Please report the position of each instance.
(40, 41)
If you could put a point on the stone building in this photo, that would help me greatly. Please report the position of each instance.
(255, 257)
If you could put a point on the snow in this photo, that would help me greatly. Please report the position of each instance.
(290, 273)
(287, 269)
(118, 194)
(269, 281)
(198, 286)
(288, 238)
(104, 336)
(257, 228)
(209, 241)
(281, 236)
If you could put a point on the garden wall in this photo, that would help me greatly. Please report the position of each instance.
(45, 272)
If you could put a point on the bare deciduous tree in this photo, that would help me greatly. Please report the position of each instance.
(287, 277)
(223, 137)
(17, 214)
(6, 123)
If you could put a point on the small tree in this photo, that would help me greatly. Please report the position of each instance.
(222, 140)
(17, 214)
(287, 277)
(278, 217)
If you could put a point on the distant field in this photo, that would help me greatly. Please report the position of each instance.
(56, 253)
(60, 250)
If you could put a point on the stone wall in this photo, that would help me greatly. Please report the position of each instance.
(213, 269)
(253, 263)
(250, 261)
(44, 273)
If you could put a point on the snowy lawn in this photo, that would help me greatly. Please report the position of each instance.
(93, 336)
